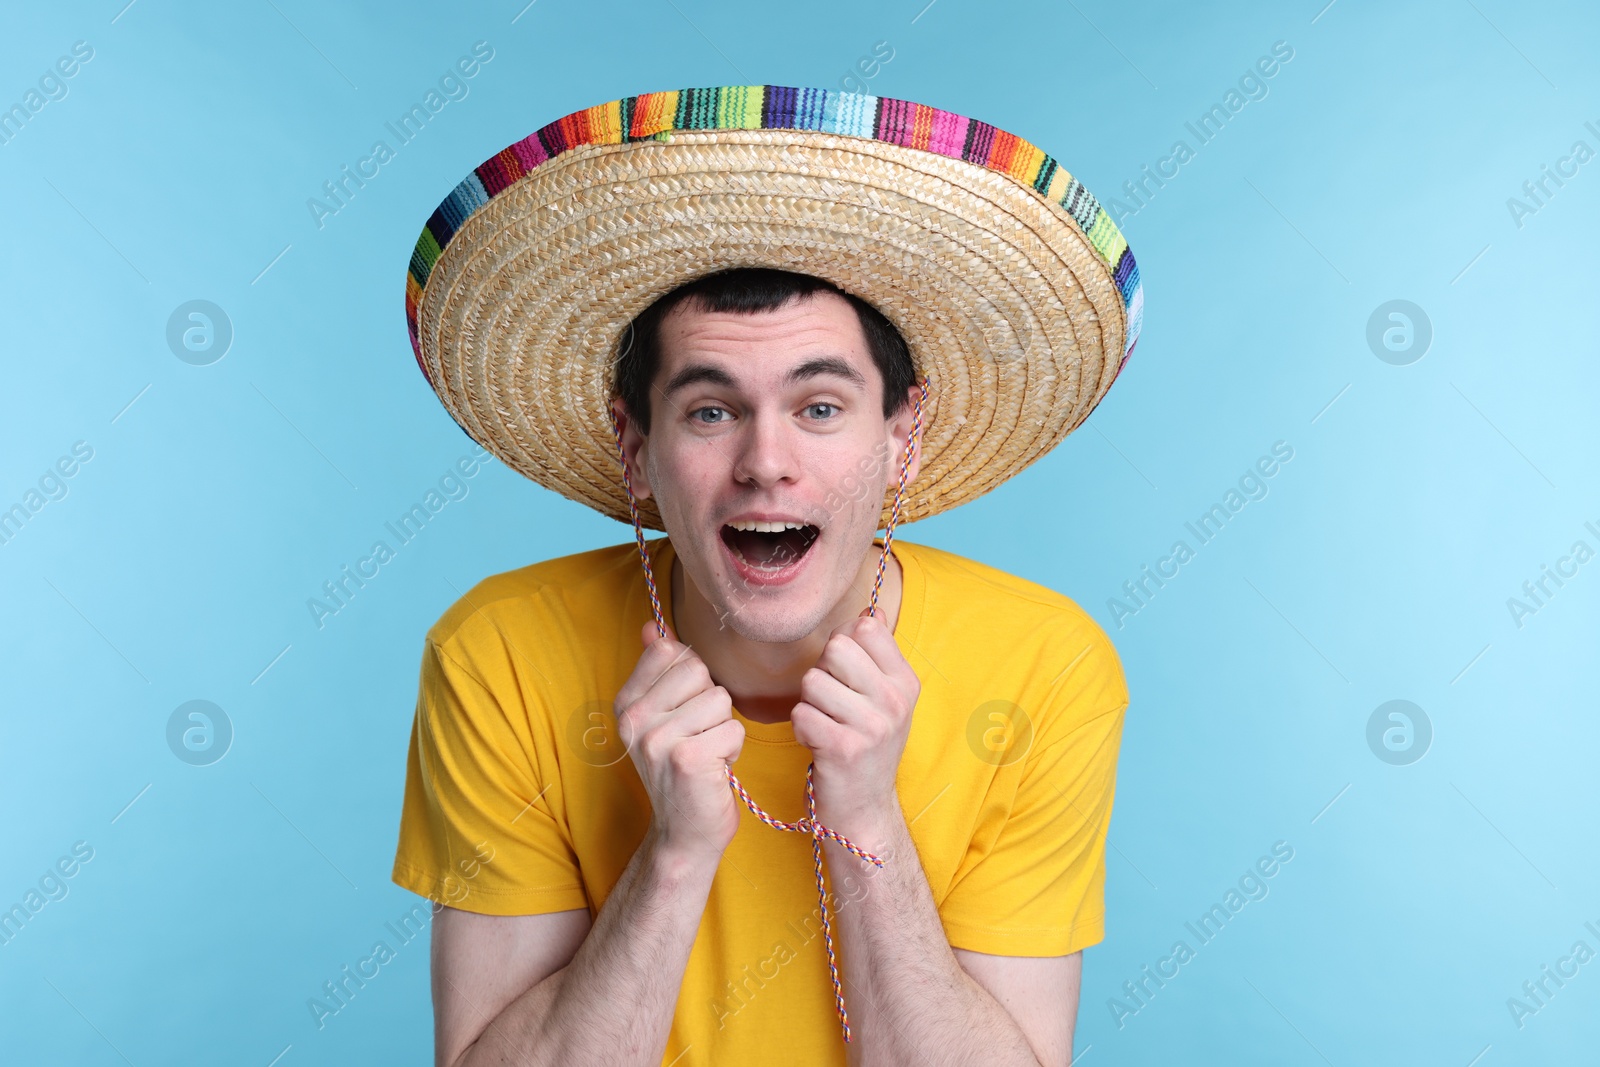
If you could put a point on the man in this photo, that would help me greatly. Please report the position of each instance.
(946, 733)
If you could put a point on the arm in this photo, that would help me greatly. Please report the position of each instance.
(549, 989)
(1040, 992)
(914, 999)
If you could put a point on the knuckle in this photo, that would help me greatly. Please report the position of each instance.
(682, 758)
(671, 660)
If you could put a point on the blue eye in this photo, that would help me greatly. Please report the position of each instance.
(821, 404)
(694, 415)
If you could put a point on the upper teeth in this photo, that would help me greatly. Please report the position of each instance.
(767, 527)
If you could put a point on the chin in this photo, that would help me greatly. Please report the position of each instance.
(776, 623)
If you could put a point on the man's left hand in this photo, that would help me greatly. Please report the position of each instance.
(854, 715)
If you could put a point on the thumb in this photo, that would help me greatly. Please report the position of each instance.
(650, 635)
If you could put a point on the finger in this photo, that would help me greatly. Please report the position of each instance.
(685, 678)
(660, 683)
(702, 712)
(876, 640)
(652, 632)
(723, 742)
(653, 661)
(714, 749)
(814, 728)
(653, 736)
(847, 661)
(661, 657)
(839, 702)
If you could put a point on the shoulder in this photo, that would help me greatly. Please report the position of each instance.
(1017, 622)
(542, 599)
(992, 595)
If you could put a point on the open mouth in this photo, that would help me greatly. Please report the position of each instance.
(769, 546)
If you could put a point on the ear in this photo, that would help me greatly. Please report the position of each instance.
(899, 428)
(634, 445)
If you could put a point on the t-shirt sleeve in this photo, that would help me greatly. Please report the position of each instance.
(1036, 885)
(479, 828)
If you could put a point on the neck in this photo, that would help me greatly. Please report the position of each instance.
(763, 678)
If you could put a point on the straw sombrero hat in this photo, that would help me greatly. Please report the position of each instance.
(1015, 292)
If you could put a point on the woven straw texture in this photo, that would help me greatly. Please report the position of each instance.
(1020, 314)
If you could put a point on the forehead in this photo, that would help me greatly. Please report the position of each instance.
(758, 344)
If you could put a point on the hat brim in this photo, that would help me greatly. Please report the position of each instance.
(1004, 298)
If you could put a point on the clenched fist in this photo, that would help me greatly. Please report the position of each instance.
(680, 732)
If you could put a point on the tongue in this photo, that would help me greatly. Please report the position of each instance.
(770, 550)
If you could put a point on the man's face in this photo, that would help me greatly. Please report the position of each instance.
(770, 418)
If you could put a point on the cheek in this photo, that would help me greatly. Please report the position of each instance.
(847, 458)
(688, 482)
(691, 469)
(852, 485)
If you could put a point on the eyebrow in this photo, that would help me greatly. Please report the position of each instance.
(817, 367)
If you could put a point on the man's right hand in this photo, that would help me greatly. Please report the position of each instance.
(680, 732)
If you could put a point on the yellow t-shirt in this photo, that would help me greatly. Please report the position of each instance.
(520, 799)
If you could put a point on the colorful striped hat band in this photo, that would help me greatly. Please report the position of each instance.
(808, 824)
(1011, 285)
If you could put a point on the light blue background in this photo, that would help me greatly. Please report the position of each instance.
(1418, 500)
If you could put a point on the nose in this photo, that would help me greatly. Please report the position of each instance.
(765, 451)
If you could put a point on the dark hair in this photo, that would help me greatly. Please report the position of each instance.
(745, 291)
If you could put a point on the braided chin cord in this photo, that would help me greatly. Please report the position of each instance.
(808, 824)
